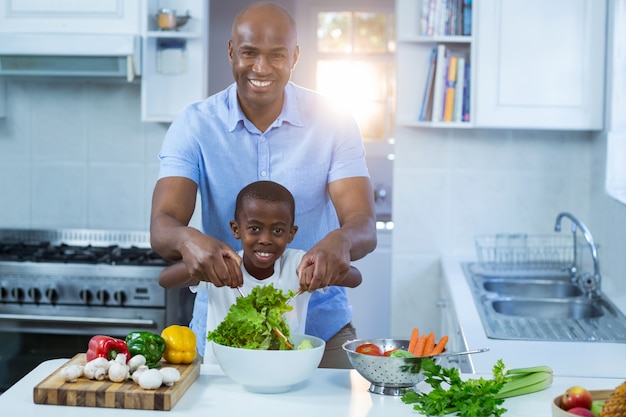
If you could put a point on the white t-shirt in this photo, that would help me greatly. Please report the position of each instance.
(284, 278)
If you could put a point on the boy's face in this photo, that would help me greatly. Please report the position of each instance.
(265, 228)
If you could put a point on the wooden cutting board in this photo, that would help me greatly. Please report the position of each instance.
(128, 395)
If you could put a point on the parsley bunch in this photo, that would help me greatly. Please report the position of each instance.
(469, 398)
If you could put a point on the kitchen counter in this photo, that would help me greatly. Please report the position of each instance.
(590, 359)
(329, 392)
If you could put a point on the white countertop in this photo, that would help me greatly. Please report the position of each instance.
(330, 392)
(591, 359)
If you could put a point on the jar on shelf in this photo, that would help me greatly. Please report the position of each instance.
(166, 19)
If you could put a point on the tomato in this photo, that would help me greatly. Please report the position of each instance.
(388, 352)
(369, 349)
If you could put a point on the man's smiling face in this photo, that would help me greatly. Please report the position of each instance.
(263, 52)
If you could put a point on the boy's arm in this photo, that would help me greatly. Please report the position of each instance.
(176, 275)
(352, 279)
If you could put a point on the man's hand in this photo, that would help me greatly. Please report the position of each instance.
(206, 258)
(209, 259)
(326, 263)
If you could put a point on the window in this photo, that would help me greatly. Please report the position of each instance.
(356, 66)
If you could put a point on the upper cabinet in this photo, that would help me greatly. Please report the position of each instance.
(45, 16)
(529, 64)
(163, 41)
(540, 64)
(175, 57)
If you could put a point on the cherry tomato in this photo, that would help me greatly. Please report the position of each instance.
(369, 349)
(388, 352)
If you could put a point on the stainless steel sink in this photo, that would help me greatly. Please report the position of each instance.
(542, 305)
(536, 288)
(547, 308)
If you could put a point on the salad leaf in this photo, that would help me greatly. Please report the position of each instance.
(256, 320)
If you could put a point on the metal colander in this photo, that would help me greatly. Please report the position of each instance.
(389, 375)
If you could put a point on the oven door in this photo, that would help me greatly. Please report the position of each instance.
(50, 332)
(21, 352)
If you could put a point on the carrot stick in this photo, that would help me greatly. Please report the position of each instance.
(429, 344)
(419, 346)
(414, 338)
(440, 346)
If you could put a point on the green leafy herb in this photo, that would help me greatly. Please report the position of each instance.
(466, 398)
(256, 320)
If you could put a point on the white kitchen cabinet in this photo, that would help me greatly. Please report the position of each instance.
(413, 52)
(540, 64)
(451, 327)
(69, 16)
(175, 62)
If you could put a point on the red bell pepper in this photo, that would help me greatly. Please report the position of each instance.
(106, 347)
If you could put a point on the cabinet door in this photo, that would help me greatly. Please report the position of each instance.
(74, 16)
(540, 64)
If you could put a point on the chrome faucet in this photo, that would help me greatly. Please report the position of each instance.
(589, 283)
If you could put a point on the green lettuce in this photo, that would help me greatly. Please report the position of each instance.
(254, 321)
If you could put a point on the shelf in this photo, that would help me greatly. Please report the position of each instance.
(173, 34)
(451, 125)
(175, 62)
(436, 39)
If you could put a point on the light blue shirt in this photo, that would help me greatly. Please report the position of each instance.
(309, 145)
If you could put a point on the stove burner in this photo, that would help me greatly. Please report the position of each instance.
(63, 253)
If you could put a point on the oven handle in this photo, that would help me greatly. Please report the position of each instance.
(78, 320)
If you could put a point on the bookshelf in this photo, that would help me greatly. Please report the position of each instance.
(415, 48)
(527, 69)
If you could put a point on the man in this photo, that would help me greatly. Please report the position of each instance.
(263, 127)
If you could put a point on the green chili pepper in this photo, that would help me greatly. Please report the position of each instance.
(150, 345)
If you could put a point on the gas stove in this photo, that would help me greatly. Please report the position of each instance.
(76, 281)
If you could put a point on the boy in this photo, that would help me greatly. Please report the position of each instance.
(265, 223)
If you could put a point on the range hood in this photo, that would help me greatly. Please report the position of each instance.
(69, 55)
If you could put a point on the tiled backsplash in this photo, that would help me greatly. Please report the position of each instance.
(76, 155)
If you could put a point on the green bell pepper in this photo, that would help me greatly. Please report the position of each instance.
(150, 345)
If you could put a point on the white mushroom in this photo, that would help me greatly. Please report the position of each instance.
(118, 370)
(96, 369)
(150, 379)
(71, 373)
(170, 375)
(135, 362)
(138, 372)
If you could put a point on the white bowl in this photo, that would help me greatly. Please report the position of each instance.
(270, 371)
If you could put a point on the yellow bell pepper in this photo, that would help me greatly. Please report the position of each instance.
(180, 344)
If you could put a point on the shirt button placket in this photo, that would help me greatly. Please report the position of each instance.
(264, 158)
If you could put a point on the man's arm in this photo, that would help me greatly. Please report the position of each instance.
(353, 199)
(206, 258)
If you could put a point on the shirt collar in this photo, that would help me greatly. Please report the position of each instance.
(289, 114)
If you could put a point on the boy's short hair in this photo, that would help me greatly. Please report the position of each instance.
(265, 191)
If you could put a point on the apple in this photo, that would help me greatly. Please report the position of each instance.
(576, 396)
(596, 407)
(580, 411)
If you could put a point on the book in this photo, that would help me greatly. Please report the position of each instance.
(424, 14)
(432, 15)
(427, 100)
(448, 111)
(460, 93)
(466, 94)
(467, 17)
(439, 84)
